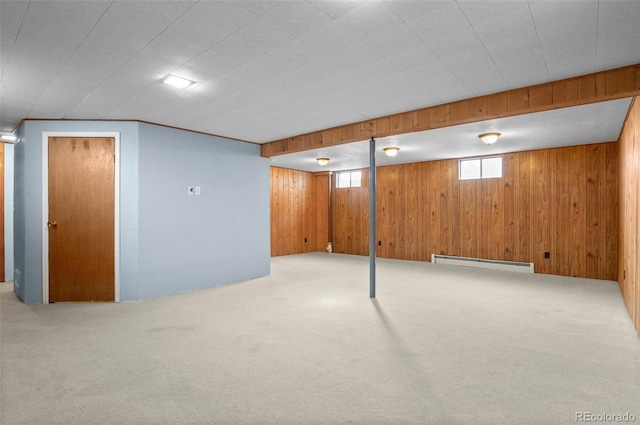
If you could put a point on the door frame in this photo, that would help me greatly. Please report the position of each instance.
(45, 206)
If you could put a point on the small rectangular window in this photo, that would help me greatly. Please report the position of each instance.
(470, 169)
(356, 178)
(492, 167)
(480, 168)
(349, 179)
(344, 179)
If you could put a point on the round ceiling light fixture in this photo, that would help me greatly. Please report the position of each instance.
(489, 138)
(391, 151)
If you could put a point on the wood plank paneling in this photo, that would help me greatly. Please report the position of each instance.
(597, 87)
(577, 172)
(629, 160)
(563, 209)
(596, 168)
(470, 223)
(511, 186)
(541, 210)
(425, 210)
(350, 217)
(434, 200)
(525, 206)
(321, 192)
(299, 211)
(542, 204)
(412, 211)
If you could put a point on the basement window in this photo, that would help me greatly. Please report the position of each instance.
(480, 168)
(349, 179)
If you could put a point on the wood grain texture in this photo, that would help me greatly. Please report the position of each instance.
(321, 192)
(350, 218)
(299, 211)
(542, 204)
(81, 202)
(629, 263)
(597, 87)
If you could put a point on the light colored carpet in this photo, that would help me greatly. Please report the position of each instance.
(440, 345)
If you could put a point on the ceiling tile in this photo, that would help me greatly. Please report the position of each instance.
(478, 71)
(11, 16)
(297, 17)
(515, 46)
(369, 19)
(338, 44)
(279, 61)
(25, 82)
(250, 42)
(440, 81)
(492, 12)
(549, 13)
(207, 23)
(46, 38)
(395, 40)
(434, 30)
(567, 67)
(271, 69)
(506, 20)
(618, 34)
(335, 8)
(573, 38)
(412, 9)
(524, 70)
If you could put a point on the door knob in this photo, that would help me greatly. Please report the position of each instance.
(52, 224)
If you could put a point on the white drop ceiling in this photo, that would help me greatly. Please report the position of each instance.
(266, 70)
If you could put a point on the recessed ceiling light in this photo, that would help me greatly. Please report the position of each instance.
(179, 82)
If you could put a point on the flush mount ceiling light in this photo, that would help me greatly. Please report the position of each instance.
(489, 138)
(323, 161)
(391, 151)
(179, 82)
(8, 137)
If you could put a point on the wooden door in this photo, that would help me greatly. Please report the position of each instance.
(81, 219)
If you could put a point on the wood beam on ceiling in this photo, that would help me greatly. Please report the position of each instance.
(592, 88)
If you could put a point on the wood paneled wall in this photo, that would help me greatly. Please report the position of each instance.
(350, 217)
(562, 201)
(299, 211)
(629, 263)
(597, 87)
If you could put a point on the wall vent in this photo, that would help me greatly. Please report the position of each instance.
(512, 266)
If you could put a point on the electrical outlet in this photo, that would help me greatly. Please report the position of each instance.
(547, 255)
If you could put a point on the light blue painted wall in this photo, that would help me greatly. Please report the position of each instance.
(170, 242)
(8, 212)
(28, 198)
(189, 242)
(19, 215)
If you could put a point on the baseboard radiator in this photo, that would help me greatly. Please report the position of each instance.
(512, 266)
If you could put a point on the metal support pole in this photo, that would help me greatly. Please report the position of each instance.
(372, 218)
